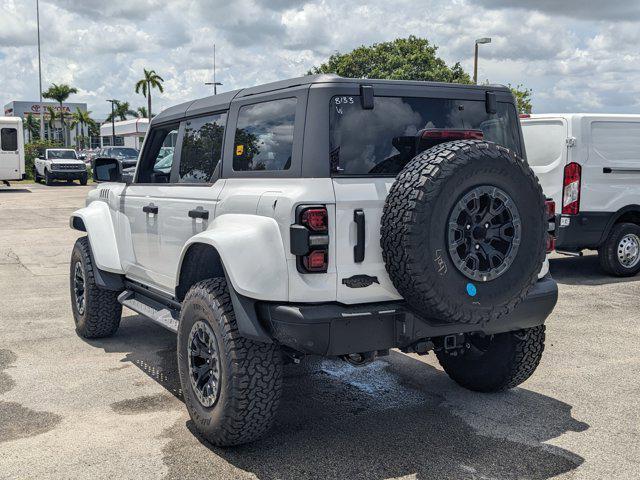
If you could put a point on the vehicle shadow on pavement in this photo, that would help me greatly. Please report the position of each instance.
(582, 271)
(398, 416)
(14, 190)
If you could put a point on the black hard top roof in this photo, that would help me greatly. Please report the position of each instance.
(223, 100)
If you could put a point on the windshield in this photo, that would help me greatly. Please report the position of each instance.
(62, 154)
(381, 141)
(123, 152)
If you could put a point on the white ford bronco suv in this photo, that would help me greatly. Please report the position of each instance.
(322, 216)
(60, 164)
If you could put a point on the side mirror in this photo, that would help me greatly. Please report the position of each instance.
(107, 170)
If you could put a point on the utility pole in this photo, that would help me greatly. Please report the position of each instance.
(475, 58)
(113, 122)
(40, 72)
(214, 83)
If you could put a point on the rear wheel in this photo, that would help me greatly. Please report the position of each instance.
(231, 384)
(620, 253)
(492, 363)
(96, 311)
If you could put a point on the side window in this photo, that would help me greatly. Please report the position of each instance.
(157, 160)
(201, 148)
(264, 136)
(9, 139)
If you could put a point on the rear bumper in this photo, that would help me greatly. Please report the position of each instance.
(335, 329)
(585, 230)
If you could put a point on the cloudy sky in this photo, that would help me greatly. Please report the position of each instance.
(576, 55)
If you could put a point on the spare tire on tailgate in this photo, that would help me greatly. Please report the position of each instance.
(464, 231)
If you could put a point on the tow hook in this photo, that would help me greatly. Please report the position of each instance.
(454, 343)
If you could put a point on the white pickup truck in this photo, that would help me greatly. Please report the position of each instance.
(60, 164)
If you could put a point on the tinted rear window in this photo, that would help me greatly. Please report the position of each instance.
(9, 139)
(370, 142)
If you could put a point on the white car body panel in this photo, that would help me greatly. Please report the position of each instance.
(98, 223)
(252, 252)
(12, 165)
(600, 141)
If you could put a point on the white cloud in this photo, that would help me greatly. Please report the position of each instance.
(574, 55)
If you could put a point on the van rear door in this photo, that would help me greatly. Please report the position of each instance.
(545, 142)
(11, 165)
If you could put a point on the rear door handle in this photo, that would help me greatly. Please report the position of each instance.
(151, 208)
(199, 213)
(358, 249)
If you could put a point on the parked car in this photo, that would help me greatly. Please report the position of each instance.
(12, 166)
(60, 164)
(590, 165)
(127, 156)
(409, 220)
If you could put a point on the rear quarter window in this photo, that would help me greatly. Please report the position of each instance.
(9, 139)
(615, 142)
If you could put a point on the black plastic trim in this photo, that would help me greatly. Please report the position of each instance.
(358, 248)
(337, 329)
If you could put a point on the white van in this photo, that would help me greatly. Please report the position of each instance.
(590, 165)
(11, 149)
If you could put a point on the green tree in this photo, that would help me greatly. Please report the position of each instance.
(51, 121)
(523, 98)
(149, 81)
(60, 93)
(410, 58)
(80, 120)
(141, 112)
(121, 111)
(32, 126)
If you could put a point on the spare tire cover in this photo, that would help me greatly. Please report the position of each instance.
(463, 231)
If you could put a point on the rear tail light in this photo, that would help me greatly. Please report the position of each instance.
(315, 219)
(315, 261)
(524, 115)
(451, 134)
(571, 189)
(550, 215)
(310, 239)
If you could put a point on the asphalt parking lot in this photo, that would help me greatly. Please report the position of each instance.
(112, 408)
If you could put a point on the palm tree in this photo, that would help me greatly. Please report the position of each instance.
(120, 111)
(81, 119)
(145, 85)
(32, 126)
(51, 122)
(60, 93)
(142, 112)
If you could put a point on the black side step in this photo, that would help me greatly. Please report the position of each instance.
(161, 314)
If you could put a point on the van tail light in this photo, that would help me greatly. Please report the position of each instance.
(571, 189)
(550, 215)
(309, 238)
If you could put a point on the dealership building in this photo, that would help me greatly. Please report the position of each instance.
(52, 130)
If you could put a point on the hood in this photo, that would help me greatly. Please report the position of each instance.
(68, 161)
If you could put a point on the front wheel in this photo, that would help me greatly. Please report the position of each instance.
(47, 178)
(96, 311)
(231, 384)
(493, 363)
(620, 253)
(83, 180)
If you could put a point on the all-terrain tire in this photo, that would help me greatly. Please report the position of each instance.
(84, 179)
(101, 313)
(608, 252)
(415, 222)
(47, 178)
(250, 373)
(501, 362)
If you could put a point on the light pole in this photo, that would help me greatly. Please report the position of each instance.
(214, 83)
(113, 122)
(475, 58)
(40, 71)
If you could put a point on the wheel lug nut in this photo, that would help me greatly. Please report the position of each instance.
(477, 247)
(468, 227)
(486, 225)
